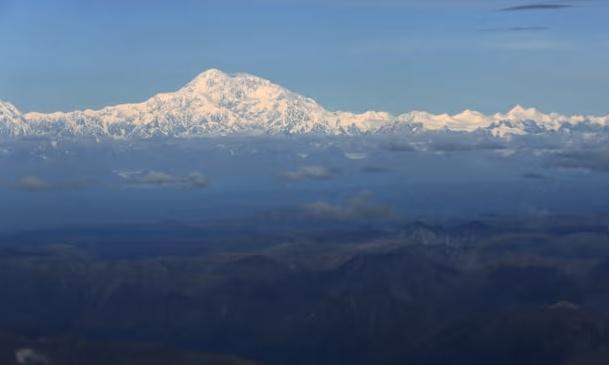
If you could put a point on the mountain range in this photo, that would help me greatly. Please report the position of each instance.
(218, 104)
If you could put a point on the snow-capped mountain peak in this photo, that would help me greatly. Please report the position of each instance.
(216, 80)
(12, 122)
(215, 103)
(521, 113)
(7, 108)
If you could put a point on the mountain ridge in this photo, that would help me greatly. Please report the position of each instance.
(217, 104)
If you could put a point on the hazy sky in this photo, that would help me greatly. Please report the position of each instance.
(440, 56)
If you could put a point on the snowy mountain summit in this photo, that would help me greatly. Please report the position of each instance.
(218, 104)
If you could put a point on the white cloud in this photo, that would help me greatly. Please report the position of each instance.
(356, 155)
(151, 177)
(358, 206)
(311, 173)
(28, 356)
(33, 183)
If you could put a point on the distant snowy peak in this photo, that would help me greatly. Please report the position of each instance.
(467, 121)
(213, 104)
(12, 123)
(218, 104)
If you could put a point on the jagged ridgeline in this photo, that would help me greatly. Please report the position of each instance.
(218, 104)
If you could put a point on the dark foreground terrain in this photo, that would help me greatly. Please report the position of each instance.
(498, 291)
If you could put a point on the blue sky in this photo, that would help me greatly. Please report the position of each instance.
(393, 55)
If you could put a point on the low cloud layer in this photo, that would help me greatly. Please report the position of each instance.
(399, 147)
(33, 183)
(594, 160)
(357, 207)
(151, 177)
(461, 146)
(310, 173)
(37, 184)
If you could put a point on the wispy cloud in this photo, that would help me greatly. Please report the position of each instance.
(534, 176)
(37, 184)
(594, 160)
(27, 356)
(463, 146)
(527, 38)
(399, 146)
(530, 7)
(531, 45)
(33, 183)
(357, 207)
(310, 173)
(356, 155)
(514, 29)
(151, 177)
